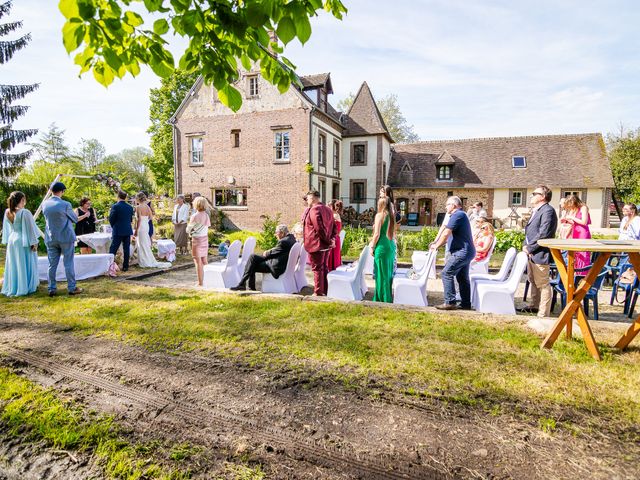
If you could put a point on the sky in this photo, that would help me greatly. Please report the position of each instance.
(460, 68)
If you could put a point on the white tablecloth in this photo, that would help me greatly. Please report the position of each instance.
(100, 242)
(86, 266)
(166, 249)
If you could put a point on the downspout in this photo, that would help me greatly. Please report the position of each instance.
(313, 109)
(175, 156)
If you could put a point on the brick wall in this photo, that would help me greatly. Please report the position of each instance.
(439, 198)
(272, 187)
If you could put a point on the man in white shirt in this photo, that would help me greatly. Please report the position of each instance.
(180, 218)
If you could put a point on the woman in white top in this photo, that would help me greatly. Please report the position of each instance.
(143, 240)
(630, 223)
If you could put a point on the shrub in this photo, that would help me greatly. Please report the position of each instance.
(506, 239)
(164, 230)
(241, 235)
(355, 240)
(267, 238)
(410, 241)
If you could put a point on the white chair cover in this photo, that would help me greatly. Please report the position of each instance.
(223, 274)
(347, 284)
(247, 250)
(285, 283)
(507, 263)
(300, 275)
(483, 265)
(343, 234)
(498, 297)
(407, 291)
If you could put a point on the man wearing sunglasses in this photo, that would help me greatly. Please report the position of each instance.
(542, 224)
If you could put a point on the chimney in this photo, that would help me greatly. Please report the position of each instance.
(273, 38)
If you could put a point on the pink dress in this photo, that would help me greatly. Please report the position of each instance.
(335, 257)
(582, 259)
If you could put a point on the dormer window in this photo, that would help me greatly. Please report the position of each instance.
(443, 172)
(322, 99)
(519, 162)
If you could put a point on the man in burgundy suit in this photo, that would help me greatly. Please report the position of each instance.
(320, 232)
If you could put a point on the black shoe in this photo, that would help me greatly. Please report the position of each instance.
(252, 288)
(52, 293)
(527, 310)
(238, 288)
(125, 269)
(466, 307)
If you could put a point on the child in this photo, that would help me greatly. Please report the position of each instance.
(223, 248)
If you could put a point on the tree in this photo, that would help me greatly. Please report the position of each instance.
(52, 146)
(164, 102)
(129, 166)
(624, 157)
(398, 127)
(90, 152)
(115, 41)
(11, 163)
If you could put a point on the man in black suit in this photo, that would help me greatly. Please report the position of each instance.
(120, 218)
(542, 224)
(273, 261)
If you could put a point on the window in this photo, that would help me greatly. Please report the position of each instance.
(322, 149)
(358, 191)
(336, 155)
(281, 146)
(358, 153)
(322, 99)
(196, 146)
(384, 173)
(229, 197)
(581, 194)
(517, 198)
(252, 86)
(335, 192)
(235, 138)
(403, 206)
(519, 162)
(444, 172)
(322, 186)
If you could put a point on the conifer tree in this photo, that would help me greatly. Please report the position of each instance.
(11, 163)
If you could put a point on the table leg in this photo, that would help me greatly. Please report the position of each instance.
(570, 287)
(634, 329)
(576, 304)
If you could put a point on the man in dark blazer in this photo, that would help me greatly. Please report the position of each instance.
(120, 218)
(542, 224)
(273, 261)
(320, 232)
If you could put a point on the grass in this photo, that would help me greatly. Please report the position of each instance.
(455, 359)
(39, 414)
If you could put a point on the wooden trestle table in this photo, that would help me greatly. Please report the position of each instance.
(575, 296)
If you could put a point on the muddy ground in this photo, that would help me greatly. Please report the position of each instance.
(295, 425)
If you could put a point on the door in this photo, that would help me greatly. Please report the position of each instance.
(424, 211)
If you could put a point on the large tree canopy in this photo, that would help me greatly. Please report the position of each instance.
(624, 155)
(398, 126)
(115, 40)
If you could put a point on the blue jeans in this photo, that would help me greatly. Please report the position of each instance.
(54, 250)
(457, 267)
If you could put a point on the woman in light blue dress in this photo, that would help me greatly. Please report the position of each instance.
(20, 235)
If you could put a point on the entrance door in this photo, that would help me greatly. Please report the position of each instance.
(424, 211)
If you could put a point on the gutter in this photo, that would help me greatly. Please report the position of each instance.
(172, 122)
(313, 109)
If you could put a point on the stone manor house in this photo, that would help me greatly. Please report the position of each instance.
(263, 158)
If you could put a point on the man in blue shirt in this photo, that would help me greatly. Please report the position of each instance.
(462, 251)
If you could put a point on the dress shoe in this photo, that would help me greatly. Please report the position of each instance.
(527, 310)
(52, 293)
(238, 288)
(448, 306)
(468, 307)
(77, 291)
(125, 269)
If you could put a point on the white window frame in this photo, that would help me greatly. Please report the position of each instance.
(523, 197)
(282, 147)
(444, 168)
(196, 156)
(513, 161)
(253, 89)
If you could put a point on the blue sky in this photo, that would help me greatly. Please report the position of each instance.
(461, 69)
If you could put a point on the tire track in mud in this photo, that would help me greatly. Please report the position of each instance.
(292, 444)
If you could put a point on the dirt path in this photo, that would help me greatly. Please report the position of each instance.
(294, 426)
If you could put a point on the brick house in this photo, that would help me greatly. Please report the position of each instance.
(263, 158)
(501, 173)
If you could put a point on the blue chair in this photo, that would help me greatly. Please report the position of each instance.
(628, 288)
(592, 294)
(634, 298)
(613, 265)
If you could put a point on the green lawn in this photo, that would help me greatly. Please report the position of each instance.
(485, 363)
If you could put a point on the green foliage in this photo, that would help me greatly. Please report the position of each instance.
(164, 103)
(393, 118)
(34, 193)
(114, 41)
(11, 163)
(624, 156)
(409, 241)
(505, 239)
(354, 240)
(267, 238)
(241, 235)
(52, 146)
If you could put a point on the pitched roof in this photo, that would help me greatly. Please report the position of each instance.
(363, 117)
(577, 161)
(317, 80)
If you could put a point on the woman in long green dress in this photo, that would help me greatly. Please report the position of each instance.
(383, 250)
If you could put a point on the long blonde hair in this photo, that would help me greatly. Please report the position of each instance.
(384, 207)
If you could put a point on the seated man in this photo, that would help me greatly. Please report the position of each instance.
(273, 261)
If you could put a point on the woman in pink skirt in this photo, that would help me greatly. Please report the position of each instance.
(198, 230)
(578, 216)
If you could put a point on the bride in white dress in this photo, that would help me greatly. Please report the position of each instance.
(143, 240)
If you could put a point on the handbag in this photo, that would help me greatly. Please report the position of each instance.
(628, 277)
(195, 229)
